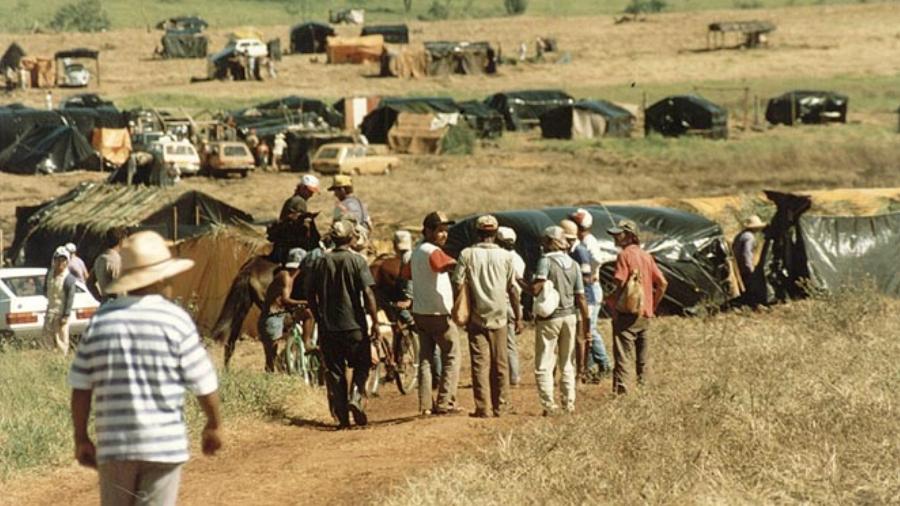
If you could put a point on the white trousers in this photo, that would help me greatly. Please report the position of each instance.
(554, 347)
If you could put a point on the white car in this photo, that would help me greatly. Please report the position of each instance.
(76, 75)
(23, 305)
(249, 47)
(179, 154)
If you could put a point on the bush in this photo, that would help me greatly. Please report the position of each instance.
(515, 6)
(437, 11)
(636, 7)
(83, 16)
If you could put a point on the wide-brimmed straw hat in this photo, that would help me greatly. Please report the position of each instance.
(146, 259)
(754, 223)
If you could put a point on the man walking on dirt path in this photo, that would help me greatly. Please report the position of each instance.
(339, 291)
(429, 268)
(506, 238)
(59, 288)
(486, 271)
(636, 271)
(279, 303)
(349, 205)
(139, 355)
(555, 336)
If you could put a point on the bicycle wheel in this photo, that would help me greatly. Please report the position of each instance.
(295, 353)
(373, 383)
(315, 369)
(407, 356)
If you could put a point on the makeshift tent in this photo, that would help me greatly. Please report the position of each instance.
(90, 100)
(11, 57)
(47, 150)
(291, 104)
(355, 49)
(522, 109)
(407, 63)
(184, 45)
(113, 145)
(90, 54)
(428, 133)
(310, 37)
(804, 253)
(807, 107)
(587, 119)
(376, 124)
(301, 146)
(686, 115)
(85, 214)
(16, 122)
(191, 24)
(39, 72)
(691, 250)
(392, 34)
(445, 58)
(354, 109)
(486, 122)
(753, 33)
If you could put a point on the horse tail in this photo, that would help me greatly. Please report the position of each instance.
(237, 305)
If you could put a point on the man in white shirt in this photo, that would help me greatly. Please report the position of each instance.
(506, 238)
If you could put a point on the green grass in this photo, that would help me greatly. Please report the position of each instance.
(24, 14)
(35, 426)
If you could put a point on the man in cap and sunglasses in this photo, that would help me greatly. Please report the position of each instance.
(636, 269)
(486, 271)
(139, 355)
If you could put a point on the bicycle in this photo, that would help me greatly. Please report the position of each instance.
(297, 359)
(398, 359)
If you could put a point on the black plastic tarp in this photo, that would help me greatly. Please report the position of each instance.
(558, 123)
(184, 45)
(310, 37)
(191, 24)
(807, 107)
(289, 110)
(49, 149)
(447, 58)
(19, 121)
(686, 114)
(11, 57)
(393, 34)
(376, 124)
(522, 109)
(486, 122)
(690, 250)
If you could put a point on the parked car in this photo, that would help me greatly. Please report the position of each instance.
(76, 75)
(249, 47)
(23, 305)
(179, 154)
(345, 158)
(228, 157)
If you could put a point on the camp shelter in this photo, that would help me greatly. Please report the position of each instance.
(486, 122)
(690, 250)
(190, 24)
(184, 44)
(752, 33)
(39, 72)
(85, 214)
(302, 145)
(686, 115)
(47, 150)
(113, 144)
(310, 37)
(296, 105)
(807, 106)
(460, 57)
(392, 34)
(11, 57)
(80, 53)
(587, 119)
(427, 133)
(355, 109)
(522, 109)
(355, 49)
(406, 63)
(376, 124)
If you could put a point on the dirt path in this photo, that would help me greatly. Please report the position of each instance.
(298, 461)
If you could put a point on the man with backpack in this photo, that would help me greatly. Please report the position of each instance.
(640, 287)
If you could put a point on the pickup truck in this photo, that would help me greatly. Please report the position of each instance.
(346, 158)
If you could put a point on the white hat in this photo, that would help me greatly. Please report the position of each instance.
(403, 240)
(310, 181)
(506, 234)
(146, 259)
(582, 218)
(71, 247)
(295, 257)
(754, 223)
(61, 252)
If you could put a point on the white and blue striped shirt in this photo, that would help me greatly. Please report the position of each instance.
(138, 355)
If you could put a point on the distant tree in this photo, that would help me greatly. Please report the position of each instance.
(515, 6)
(82, 16)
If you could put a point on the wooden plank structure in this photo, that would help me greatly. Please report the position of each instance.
(753, 33)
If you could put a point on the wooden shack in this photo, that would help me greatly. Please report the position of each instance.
(751, 34)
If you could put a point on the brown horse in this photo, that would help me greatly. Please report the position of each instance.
(249, 286)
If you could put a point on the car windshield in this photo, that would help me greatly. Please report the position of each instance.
(328, 153)
(179, 149)
(25, 286)
(236, 151)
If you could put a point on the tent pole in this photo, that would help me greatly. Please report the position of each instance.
(1, 249)
(175, 223)
(196, 214)
(97, 61)
(746, 107)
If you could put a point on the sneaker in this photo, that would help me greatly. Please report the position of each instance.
(479, 414)
(553, 412)
(448, 411)
(359, 416)
(425, 412)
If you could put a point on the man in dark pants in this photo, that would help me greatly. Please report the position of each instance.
(337, 286)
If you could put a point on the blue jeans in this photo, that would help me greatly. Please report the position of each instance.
(597, 354)
(512, 348)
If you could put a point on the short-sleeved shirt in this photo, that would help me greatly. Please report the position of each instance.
(582, 257)
(295, 204)
(565, 274)
(353, 207)
(78, 269)
(488, 270)
(338, 281)
(431, 285)
(743, 251)
(631, 258)
(106, 269)
(138, 356)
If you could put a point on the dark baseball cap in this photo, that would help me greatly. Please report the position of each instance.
(624, 226)
(436, 219)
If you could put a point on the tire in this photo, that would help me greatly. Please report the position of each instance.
(244, 173)
(294, 355)
(315, 368)
(407, 353)
(373, 383)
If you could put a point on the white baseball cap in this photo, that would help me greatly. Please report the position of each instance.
(310, 181)
(506, 234)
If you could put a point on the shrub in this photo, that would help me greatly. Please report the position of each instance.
(438, 10)
(83, 16)
(636, 7)
(515, 6)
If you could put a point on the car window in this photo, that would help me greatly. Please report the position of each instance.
(236, 151)
(25, 286)
(328, 153)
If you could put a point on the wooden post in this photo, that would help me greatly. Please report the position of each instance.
(98, 68)
(174, 223)
(793, 109)
(755, 110)
(746, 108)
(196, 214)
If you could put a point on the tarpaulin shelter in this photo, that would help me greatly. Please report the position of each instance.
(113, 144)
(293, 104)
(691, 250)
(16, 122)
(49, 149)
(84, 215)
(804, 253)
(184, 44)
(427, 133)
(302, 145)
(376, 124)
(522, 109)
(191, 24)
(355, 49)
(686, 115)
(91, 54)
(587, 119)
(807, 107)
(407, 63)
(40, 71)
(753, 33)
(486, 122)
(11, 57)
(310, 37)
(392, 34)
(445, 58)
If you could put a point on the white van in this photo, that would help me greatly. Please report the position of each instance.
(179, 154)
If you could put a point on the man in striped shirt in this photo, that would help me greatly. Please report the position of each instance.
(136, 359)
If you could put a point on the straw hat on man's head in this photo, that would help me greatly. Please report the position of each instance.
(146, 260)
(754, 223)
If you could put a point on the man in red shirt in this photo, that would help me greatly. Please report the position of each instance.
(631, 330)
